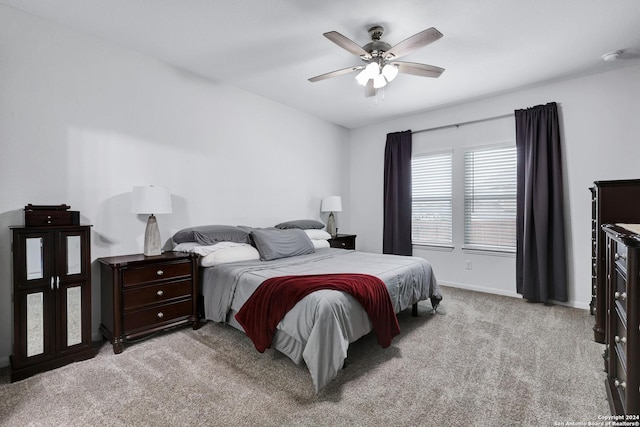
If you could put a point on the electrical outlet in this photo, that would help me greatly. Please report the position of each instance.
(468, 265)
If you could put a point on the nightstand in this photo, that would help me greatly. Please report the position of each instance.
(343, 241)
(146, 294)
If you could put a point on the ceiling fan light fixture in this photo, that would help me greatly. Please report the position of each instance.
(390, 72)
(362, 78)
(379, 64)
(373, 69)
(379, 81)
(370, 72)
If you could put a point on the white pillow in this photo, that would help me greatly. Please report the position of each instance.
(205, 250)
(318, 234)
(230, 254)
(185, 247)
(319, 243)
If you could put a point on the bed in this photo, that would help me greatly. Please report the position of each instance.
(320, 327)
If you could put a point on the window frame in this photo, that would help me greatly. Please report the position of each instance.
(482, 247)
(435, 244)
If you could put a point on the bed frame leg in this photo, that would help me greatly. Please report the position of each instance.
(414, 310)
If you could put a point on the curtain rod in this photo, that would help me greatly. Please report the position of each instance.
(463, 123)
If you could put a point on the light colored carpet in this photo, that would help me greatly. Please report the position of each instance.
(490, 361)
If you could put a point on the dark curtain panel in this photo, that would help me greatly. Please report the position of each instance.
(397, 194)
(541, 265)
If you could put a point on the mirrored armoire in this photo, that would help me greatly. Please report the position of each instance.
(51, 298)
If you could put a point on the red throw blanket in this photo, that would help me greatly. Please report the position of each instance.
(268, 305)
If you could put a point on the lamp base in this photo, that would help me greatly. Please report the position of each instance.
(331, 225)
(152, 245)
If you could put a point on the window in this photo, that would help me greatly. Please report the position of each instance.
(431, 199)
(490, 198)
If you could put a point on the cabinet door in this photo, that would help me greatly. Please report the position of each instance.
(33, 261)
(73, 298)
(73, 320)
(34, 298)
(34, 338)
(72, 254)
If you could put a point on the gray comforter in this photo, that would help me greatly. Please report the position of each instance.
(321, 326)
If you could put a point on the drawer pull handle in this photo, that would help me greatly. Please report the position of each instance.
(160, 315)
(619, 340)
(620, 296)
(618, 256)
(160, 293)
(159, 272)
(620, 384)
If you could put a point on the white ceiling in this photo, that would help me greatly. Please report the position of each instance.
(271, 47)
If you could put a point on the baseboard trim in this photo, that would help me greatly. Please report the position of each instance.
(513, 294)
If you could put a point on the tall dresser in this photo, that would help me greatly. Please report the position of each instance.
(623, 318)
(51, 298)
(611, 202)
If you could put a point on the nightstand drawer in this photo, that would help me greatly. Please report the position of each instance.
(155, 272)
(343, 241)
(142, 296)
(157, 315)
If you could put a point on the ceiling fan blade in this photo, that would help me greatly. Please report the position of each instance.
(336, 73)
(422, 70)
(369, 90)
(347, 44)
(414, 42)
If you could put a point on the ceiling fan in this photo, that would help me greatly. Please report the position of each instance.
(379, 58)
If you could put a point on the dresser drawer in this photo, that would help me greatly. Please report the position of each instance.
(619, 378)
(620, 293)
(620, 256)
(620, 336)
(139, 297)
(153, 272)
(157, 316)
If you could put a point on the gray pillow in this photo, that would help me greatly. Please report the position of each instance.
(304, 224)
(275, 244)
(211, 234)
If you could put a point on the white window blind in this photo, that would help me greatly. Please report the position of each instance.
(490, 198)
(431, 199)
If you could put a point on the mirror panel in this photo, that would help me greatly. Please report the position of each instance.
(74, 315)
(35, 324)
(74, 255)
(35, 259)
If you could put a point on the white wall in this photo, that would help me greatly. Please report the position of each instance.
(83, 121)
(600, 127)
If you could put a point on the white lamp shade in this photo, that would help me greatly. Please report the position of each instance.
(379, 81)
(389, 72)
(370, 71)
(150, 199)
(331, 204)
(373, 69)
(362, 77)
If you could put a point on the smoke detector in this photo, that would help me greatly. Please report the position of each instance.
(611, 56)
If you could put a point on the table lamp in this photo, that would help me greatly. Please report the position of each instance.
(331, 204)
(151, 200)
